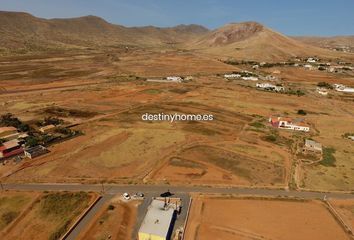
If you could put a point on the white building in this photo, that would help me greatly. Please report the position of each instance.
(268, 86)
(288, 123)
(343, 88)
(158, 222)
(233, 75)
(174, 79)
(250, 78)
(308, 67)
(312, 146)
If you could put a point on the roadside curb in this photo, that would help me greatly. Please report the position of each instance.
(187, 217)
(80, 218)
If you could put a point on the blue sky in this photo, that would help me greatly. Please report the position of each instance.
(300, 17)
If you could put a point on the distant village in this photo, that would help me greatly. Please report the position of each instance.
(19, 140)
(269, 82)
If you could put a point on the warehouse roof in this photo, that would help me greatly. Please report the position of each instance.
(157, 220)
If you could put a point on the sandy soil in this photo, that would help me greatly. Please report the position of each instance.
(14, 204)
(218, 218)
(33, 224)
(345, 208)
(116, 138)
(115, 224)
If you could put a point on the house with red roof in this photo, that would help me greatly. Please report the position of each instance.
(289, 123)
(10, 149)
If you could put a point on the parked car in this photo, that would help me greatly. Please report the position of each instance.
(138, 195)
(126, 196)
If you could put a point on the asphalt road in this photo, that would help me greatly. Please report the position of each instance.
(157, 189)
(90, 215)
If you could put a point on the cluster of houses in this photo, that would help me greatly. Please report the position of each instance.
(313, 65)
(338, 87)
(13, 144)
(250, 76)
(171, 79)
(244, 75)
(270, 87)
(289, 123)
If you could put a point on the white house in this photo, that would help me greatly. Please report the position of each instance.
(288, 123)
(233, 75)
(174, 79)
(308, 67)
(250, 78)
(268, 86)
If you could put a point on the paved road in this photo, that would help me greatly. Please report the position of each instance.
(157, 189)
(90, 215)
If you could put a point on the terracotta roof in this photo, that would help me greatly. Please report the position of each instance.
(9, 144)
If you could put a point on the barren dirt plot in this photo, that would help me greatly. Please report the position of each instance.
(110, 90)
(182, 171)
(115, 221)
(51, 216)
(159, 64)
(255, 172)
(12, 205)
(219, 218)
(345, 208)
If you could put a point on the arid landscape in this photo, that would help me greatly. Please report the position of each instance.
(90, 82)
(214, 218)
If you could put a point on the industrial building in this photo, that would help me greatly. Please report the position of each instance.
(35, 151)
(312, 146)
(159, 221)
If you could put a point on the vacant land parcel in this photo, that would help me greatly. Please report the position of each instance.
(232, 218)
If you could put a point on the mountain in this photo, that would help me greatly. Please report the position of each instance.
(253, 41)
(24, 31)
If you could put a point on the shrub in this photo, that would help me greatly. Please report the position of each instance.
(301, 112)
(32, 141)
(8, 217)
(10, 120)
(60, 231)
(328, 157)
(346, 135)
(271, 138)
(324, 85)
(111, 207)
(257, 125)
